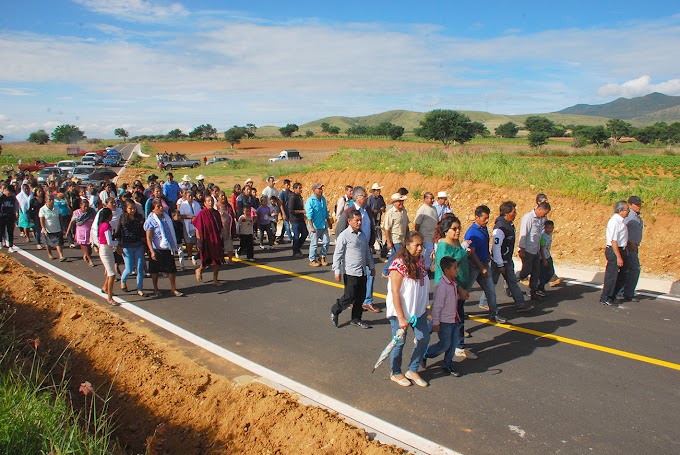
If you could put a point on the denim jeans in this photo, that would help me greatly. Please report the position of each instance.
(285, 229)
(448, 342)
(633, 273)
(299, 236)
(487, 285)
(428, 248)
(510, 278)
(134, 258)
(422, 333)
(314, 240)
(393, 251)
(547, 272)
(369, 287)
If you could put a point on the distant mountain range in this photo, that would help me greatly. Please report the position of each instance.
(640, 111)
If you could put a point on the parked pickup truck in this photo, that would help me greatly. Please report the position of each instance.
(36, 166)
(175, 163)
(286, 155)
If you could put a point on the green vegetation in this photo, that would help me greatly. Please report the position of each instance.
(67, 134)
(600, 179)
(449, 126)
(35, 412)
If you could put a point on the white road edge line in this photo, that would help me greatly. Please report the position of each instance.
(646, 294)
(407, 438)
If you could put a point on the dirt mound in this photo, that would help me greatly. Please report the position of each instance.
(154, 385)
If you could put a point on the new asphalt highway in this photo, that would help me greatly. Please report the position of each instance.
(572, 376)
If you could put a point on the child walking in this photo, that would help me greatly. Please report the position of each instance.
(245, 234)
(445, 317)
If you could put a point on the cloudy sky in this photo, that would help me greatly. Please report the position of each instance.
(153, 65)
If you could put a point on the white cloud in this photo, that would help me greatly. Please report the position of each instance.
(641, 86)
(16, 91)
(136, 10)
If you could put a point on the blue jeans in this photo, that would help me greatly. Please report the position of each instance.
(369, 287)
(313, 243)
(511, 278)
(547, 272)
(285, 229)
(134, 258)
(448, 342)
(487, 285)
(428, 248)
(393, 251)
(422, 333)
(299, 236)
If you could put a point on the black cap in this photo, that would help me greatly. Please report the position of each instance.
(634, 200)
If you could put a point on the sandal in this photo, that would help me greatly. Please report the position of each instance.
(177, 294)
(123, 287)
(142, 294)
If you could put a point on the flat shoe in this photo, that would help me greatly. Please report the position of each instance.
(401, 380)
(62, 259)
(141, 293)
(178, 294)
(370, 308)
(415, 377)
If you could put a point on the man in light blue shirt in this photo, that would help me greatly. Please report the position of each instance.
(320, 222)
(171, 191)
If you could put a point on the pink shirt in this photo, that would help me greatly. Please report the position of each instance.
(103, 228)
(445, 302)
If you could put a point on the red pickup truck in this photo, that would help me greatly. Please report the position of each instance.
(38, 165)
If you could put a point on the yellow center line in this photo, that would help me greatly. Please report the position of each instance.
(583, 344)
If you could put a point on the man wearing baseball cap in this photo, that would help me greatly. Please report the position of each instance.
(320, 222)
(395, 227)
(635, 226)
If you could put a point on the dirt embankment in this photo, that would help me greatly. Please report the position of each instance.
(153, 384)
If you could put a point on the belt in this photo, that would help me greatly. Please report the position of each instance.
(620, 248)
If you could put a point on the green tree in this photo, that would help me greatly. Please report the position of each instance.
(39, 137)
(333, 130)
(447, 126)
(538, 138)
(358, 130)
(234, 134)
(120, 132)
(288, 130)
(205, 132)
(309, 133)
(507, 130)
(538, 123)
(593, 134)
(175, 134)
(250, 130)
(617, 128)
(325, 126)
(67, 134)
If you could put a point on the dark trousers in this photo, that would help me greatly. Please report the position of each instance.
(64, 220)
(246, 246)
(267, 228)
(633, 269)
(355, 292)
(547, 272)
(299, 236)
(614, 276)
(531, 265)
(7, 230)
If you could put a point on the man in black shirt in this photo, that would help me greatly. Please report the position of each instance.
(296, 210)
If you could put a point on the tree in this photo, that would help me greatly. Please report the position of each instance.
(535, 123)
(447, 126)
(1, 138)
(333, 130)
(478, 129)
(617, 128)
(325, 126)
(359, 130)
(593, 134)
(234, 135)
(507, 130)
(538, 138)
(39, 137)
(309, 133)
(288, 130)
(206, 131)
(67, 134)
(120, 132)
(250, 130)
(175, 134)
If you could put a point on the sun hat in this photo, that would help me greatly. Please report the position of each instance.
(186, 178)
(398, 197)
(200, 177)
(442, 194)
(375, 186)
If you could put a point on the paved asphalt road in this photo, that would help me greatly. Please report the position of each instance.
(526, 393)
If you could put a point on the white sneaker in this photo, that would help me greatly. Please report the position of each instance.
(468, 354)
(262, 247)
(271, 247)
(193, 260)
(11, 249)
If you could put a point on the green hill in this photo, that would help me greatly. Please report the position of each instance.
(625, 108)
(669, 115)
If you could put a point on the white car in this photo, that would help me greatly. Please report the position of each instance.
(95, 156)
(83, 172)
(67, 167)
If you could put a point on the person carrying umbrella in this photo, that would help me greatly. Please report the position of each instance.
(407, 297)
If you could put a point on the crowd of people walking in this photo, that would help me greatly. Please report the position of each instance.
(152, 229)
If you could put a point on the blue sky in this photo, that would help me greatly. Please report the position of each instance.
(151, 65)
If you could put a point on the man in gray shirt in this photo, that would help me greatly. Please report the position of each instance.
(635, 226)
(351, 259)
(530, 232)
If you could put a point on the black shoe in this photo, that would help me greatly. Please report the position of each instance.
(423, 362)
(359, 323)
(334, 319)
(540, 293)
(609, 302)
(523, 308)
(507, 292)
(535, 296)
(630, 299)
(450, 372)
